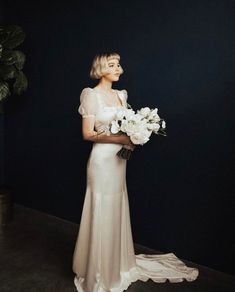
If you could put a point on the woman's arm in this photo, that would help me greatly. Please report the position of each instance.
(90, 135)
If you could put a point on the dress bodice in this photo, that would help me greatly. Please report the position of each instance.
(93, 105)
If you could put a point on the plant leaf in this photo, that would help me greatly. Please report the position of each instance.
(20, 84)
(10, 57)
(4, 90)
(7, 72)
(11, 36)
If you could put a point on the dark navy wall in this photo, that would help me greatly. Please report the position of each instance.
(178, 56)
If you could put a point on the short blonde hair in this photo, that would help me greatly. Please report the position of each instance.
(100, 67)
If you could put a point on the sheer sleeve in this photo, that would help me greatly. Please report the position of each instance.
(124, 96)
(88, 103)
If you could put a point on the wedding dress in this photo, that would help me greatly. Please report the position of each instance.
(104, 258)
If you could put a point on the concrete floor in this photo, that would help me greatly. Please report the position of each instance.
(36, 255)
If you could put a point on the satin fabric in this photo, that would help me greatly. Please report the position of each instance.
(104, 258)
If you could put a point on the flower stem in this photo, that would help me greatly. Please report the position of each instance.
(124, 153)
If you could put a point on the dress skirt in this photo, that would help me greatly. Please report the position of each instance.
(104, 257)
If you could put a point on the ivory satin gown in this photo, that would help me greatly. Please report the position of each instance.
(104, 258)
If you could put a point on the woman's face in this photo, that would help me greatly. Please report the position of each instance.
(114, 70)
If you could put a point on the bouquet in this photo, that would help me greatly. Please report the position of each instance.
(137, 125)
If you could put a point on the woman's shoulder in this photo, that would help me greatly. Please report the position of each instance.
(87, 93)
(122, 92)
(87, 90)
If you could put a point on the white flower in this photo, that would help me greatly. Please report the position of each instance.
(153, 126)
(137, 118)
(120, 114)
(156, 128)
(123, 126)
(131, 128)
(129, 113)
(115, 128)
(138, 126)
(154, 117)
(144, 111)
(154, 111)
(140, 138)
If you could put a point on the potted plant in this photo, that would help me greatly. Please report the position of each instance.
(12, 81)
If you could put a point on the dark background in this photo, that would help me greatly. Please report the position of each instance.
(177, 56)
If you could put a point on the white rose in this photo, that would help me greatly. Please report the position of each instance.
(155, 118)
(129, 113)
(115, 128)
(152, 126)
(137, 118)
(154, 111)
(163, 124)
(144, 111)
(157, 127)
(143, 126)
(140, 138)
(123, 126)
(131, 128)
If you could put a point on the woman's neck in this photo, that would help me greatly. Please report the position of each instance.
(105, 85)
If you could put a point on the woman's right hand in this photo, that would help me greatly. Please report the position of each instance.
(127, 142)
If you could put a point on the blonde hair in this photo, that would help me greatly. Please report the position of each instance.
(100, 67)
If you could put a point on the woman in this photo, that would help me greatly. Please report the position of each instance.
(104, 258)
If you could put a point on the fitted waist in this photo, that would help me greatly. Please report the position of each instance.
(107, 146)
(105, 149)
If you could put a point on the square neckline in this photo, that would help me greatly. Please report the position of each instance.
(107, 106)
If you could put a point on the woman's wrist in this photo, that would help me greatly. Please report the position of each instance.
(125, 139)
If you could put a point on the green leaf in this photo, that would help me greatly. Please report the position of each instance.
(4, 90)
(10, 57)
(11, 61)
(20, 84)
(7, 72)
(11, 36)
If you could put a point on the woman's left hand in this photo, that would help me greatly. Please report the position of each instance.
(130, 146)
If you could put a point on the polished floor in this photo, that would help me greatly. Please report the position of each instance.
(36, 254)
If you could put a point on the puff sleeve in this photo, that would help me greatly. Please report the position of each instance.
(88, 103)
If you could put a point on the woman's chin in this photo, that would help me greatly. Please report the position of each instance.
(116, 78)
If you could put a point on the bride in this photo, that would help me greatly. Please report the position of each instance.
(104, 258)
